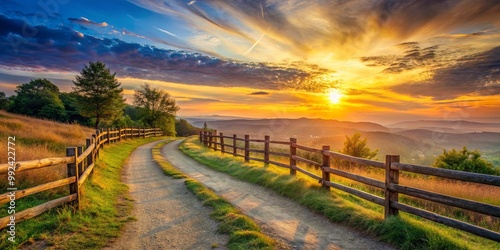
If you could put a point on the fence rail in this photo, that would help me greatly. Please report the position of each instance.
(390, 186)
(80, 165)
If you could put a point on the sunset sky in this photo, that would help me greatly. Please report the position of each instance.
(366, 60)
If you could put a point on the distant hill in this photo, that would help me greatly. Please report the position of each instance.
(387, 143)
(416, 142)
(302, 128)
(447, 126)
(199, 120)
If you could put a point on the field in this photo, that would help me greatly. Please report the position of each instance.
(37, 139)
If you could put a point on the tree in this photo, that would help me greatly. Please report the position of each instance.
(4, 101)
(205, 126)
(158, 106)
(465, 160)
(354, 146)
(184, 128)
(69, 101)
(38, 98)
(99, 93)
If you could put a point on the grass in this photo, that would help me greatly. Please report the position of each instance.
(405, 231)
(105, 209)
(243, 232)
(470, 191)
(37, 139)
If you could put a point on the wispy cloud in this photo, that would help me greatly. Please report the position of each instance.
(86, 21)
(473, 75)
(166, 32)
(344, 28)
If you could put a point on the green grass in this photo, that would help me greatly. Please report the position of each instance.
(105, 209)
(404, 232)
(243, 232)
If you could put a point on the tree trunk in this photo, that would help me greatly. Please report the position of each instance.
(97, 120)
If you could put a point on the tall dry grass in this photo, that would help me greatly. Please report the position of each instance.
(38, 139)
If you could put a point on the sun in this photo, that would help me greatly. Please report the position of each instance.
(334, 96)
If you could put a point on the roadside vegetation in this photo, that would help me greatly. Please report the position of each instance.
(243, 232)
(404, 232)
(37, 139)
(105, 205)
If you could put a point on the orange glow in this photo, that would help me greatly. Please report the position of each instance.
(334, 96)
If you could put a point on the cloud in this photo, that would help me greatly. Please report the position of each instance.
(166, 32)
(260, 93)
(85, 21)
(62, 49)
(476, 74)
(413, 57)
(344, 28)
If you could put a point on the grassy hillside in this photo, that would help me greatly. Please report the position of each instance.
(36, 139)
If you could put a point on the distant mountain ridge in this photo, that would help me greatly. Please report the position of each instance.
(416, 141)
(457, 125)
(302, 127)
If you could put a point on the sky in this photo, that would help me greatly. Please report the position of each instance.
(362, 60)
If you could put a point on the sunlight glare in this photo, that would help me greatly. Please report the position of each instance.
(334, 96)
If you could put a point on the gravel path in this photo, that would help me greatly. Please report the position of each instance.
(279, 216)
(168, 215)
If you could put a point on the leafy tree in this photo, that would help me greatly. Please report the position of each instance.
(4, 101)
(205, 126)
(355, 146)
(133, 112)
(159, 107)
(69, 101)
(167, 124)
(38, 98)
(465, 160)
(184, 128)
(99, 93)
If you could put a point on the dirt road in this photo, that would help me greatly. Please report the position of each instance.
(282, 217)
(168, 215)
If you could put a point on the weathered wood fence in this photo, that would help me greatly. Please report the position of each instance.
(80, 163)
(391, 186)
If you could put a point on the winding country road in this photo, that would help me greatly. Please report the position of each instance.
(279, 216)
(168, 215)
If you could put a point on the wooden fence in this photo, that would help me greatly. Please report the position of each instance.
(80, 163)
(391, 186)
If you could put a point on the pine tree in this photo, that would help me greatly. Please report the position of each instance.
(99, 94)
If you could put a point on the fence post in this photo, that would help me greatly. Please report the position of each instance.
(144, 132)
(205, 138)
(209, 139)
(325, 165)
(234, 145)
(247, 147)
(214, 139)
(293, 152)
(72, 171)
(96, 150)
(98, 137)
(266, 149)
(222, 148)
(80, 166)
(391, 177)
(201, 135)
(88, 143)
(108, 136)
(119, 133)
